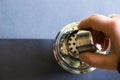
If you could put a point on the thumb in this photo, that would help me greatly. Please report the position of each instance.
(99, 60)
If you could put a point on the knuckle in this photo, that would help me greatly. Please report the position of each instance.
(113, 23)
(93, 17)
(90, 61)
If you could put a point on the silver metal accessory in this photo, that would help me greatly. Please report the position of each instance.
(69, 43)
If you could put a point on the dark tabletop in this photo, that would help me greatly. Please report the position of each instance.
(32, 59)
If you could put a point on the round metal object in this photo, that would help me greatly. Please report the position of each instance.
(69, 43)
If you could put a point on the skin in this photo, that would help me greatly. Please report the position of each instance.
(110, 26)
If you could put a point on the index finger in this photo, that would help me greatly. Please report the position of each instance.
(96, 22)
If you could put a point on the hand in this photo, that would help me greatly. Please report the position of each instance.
(110, 26)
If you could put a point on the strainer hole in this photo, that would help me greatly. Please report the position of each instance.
(70, 39)
(71, 48)
(73, 35)
(69, 43)
(73, 43)
(76, 47)
(74, 51)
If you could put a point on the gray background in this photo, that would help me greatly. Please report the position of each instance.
(44, 18)
(27, 31)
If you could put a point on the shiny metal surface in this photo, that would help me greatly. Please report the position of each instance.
(69, 43)
(84, 41)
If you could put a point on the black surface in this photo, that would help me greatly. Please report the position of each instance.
(32, 59)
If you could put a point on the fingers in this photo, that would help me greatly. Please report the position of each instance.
(107, 25)
(96, 22)
(99, 60)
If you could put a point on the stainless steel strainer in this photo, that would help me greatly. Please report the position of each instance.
(69, 43)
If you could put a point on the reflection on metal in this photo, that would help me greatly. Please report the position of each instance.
(69, 43)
